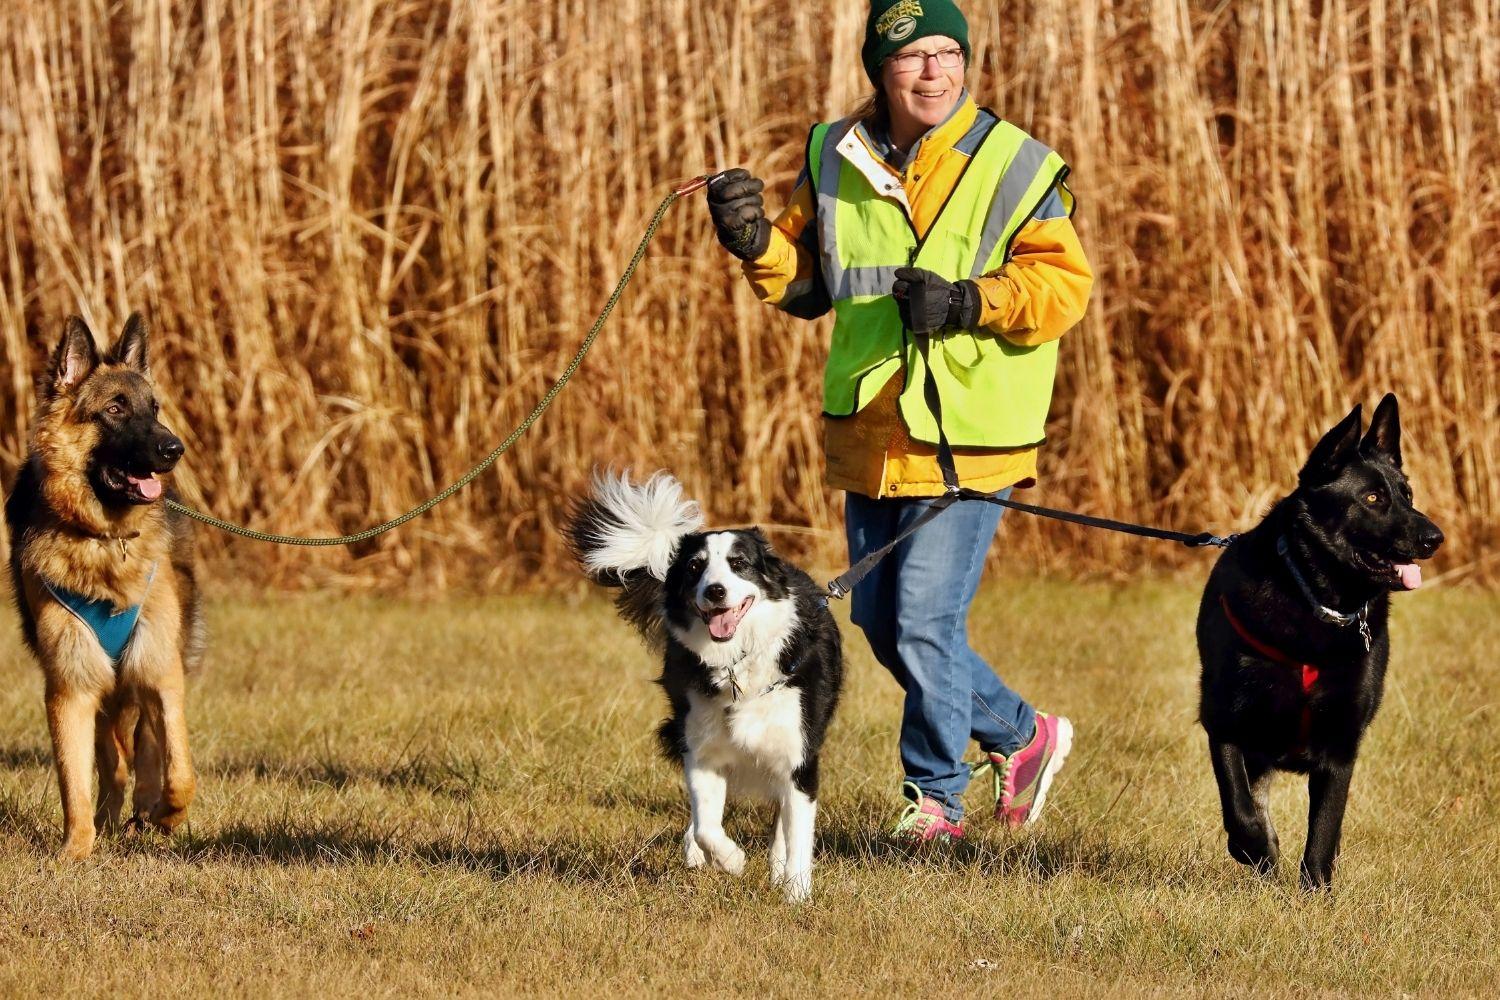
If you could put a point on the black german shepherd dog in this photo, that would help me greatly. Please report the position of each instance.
(1292, 635)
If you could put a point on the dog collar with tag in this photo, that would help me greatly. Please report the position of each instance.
(112, 627)
(1321, 611)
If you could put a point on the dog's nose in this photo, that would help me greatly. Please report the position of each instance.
(169, 449)
(714, 592)
(1428, 540)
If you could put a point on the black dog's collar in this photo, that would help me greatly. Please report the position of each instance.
(1320, 610)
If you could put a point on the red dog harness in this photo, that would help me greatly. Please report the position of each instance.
(1309, 671)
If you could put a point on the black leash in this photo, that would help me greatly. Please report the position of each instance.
(953, 492)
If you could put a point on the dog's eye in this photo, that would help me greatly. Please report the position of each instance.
(738, 563)
(115, 410)
(1372, 497)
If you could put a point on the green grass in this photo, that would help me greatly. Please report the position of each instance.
(463, 797)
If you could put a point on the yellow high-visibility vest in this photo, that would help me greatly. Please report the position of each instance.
(994, 394)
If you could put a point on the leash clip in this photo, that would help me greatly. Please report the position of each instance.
(696, 184)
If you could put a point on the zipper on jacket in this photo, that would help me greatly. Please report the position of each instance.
(951, 192)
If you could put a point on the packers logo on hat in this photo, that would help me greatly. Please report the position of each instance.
(900, 21)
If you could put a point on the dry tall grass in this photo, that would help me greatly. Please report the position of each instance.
(369, 234)
(394, 801)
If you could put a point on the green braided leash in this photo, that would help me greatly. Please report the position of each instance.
(525, 425)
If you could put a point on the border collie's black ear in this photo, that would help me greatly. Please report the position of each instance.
(74, 360)
(771, 564)
(130, 349)
(760, 537)
(1384, 437)
(1331, 454)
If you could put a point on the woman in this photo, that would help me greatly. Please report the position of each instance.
(941, 238)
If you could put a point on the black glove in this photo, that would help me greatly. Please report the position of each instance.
(929, 302)
(739, 213)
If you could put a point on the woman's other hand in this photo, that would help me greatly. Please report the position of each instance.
(739, 213)
(928, 302)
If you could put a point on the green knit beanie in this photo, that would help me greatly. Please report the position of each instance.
(894, 24)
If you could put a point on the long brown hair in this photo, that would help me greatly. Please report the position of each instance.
(874, 111)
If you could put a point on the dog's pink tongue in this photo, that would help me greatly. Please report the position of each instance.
(721, 624)
(1411, 575)
(150, 487)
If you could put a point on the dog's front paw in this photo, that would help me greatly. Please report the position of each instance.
(725, 854)
(797, 887)
(692, 854)
(1254, 850)
(1315, 877)
(77, 847)
(731, 860)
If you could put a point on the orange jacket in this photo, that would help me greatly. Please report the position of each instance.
(1034, 298)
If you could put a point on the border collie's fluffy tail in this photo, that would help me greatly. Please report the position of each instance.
(625, 535)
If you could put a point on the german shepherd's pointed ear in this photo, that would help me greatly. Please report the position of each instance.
(74, 360)
(1331, 454)
(130, 349)
(1384, 437)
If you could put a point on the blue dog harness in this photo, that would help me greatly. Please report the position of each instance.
(112, 628)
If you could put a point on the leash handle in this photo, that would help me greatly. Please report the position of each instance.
(696, 184)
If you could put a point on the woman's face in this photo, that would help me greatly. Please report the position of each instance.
(923, 91)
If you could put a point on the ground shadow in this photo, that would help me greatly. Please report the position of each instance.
(668, 802)
(17, 757)
(565, 860)
(1039, 856)
(1032, 856)
(441, 775)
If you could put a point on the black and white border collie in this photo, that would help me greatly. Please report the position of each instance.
(752, 663)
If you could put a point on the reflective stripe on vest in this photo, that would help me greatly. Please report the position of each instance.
(994, 394)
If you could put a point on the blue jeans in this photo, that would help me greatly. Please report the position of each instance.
(914, 610)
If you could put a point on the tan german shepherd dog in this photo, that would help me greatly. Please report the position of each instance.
(104, 583)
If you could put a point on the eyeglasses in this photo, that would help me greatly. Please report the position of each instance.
(915, 62)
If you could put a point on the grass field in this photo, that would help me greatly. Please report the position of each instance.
(463, 797)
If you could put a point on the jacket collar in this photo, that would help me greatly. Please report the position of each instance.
(873, 156)
(942, 136)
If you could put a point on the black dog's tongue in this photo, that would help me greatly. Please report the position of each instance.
(1411, 575)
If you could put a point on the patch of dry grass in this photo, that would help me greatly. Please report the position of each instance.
(404, 798)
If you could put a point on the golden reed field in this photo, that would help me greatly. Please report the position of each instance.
(370, 233)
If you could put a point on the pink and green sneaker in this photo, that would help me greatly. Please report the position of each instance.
(1023, 779)
(922, 820)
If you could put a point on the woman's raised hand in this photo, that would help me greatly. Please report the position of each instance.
(739, 213)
